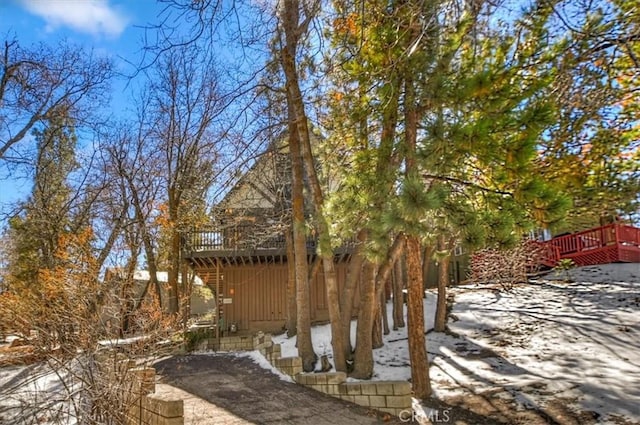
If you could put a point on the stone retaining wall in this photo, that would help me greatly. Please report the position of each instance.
(387, 396)
(147, 408)
(232, 343)
(291, 366)
(392, 397)
(155, 410)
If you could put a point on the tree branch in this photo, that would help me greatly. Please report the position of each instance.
(466, 183)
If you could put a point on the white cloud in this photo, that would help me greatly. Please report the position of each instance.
(95, 17)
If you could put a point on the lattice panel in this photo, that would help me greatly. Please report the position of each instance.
(630, 254)
(600, 256)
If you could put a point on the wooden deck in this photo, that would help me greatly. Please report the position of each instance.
(244, 245)
(247, 267)
(613, 243)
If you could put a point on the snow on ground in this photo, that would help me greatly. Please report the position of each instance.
(575, 341)
(550, 347)
(264, 364)
(546, 352)
(36, 394)
(392, 361)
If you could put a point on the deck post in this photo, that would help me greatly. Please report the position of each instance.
(217, 302)
(186, 291)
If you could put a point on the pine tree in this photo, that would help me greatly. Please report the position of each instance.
(458, 115)
(38, 235)
(592, 152)
(46, 216)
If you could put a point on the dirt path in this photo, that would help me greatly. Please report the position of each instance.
(251, 394)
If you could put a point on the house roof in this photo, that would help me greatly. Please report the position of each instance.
(144, 275)
(255, 188)
(163, 277)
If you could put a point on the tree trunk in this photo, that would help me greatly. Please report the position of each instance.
(383, 275)
(174, 251)
(324, 246)
(127, 296)
(385, 318)
(415, 311)
(443, 282)
(385, 179)
(146, 240)
(426, 263)
(394, 253)
(316, 265)
(363, 359)
(333, 302)
(152, 266)
(376, 331)
(348, 292)
(186, 289)
(291, 284)
(415, 317)
(174, 195)
(303, 319)
(292, 32)
(398, 295)
(173, 272)
(303, 316)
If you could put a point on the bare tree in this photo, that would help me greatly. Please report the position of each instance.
(185, 104)
(35, 81)
(134, 164)
(92, 380)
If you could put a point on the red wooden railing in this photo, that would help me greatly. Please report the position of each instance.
(607, 244)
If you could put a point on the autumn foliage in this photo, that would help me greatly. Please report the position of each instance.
(60, 314)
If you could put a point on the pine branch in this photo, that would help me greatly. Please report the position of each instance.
(466, 183)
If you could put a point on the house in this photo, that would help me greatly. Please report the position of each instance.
(242, 256)
(459, 268)
(201, 298)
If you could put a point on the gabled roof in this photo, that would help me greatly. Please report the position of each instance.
(261, 187)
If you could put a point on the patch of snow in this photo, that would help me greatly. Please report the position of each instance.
(619, 272)
(261, 361)
(120, 342)
(576, 341)
(391, 361)
(39, 393)
(544, 341)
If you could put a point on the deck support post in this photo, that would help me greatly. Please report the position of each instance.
(217, 302)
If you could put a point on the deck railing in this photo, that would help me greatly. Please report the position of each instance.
(232, 238)
(599, 237)
(611, 243)
(236, 238)
(244, 237)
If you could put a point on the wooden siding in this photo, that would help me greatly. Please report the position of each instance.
(258, 294)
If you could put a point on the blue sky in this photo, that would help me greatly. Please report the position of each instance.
(104, 24)
(109, 27)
